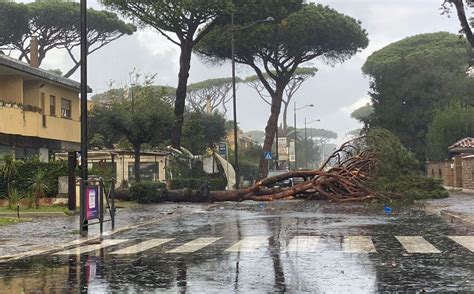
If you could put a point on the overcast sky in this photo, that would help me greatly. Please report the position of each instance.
(335, 91)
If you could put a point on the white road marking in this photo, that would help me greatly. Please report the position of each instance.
(248, 244)
(194, 245)
(303, 244)
(359, 244)
(140, 247)
(416, 244)
(94, 247)
(465, 241)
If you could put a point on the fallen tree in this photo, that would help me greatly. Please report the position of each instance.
(346, 175)
(373, 167)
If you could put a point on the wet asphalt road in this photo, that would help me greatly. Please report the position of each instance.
(269, 267)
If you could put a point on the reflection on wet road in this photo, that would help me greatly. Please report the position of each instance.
(260, 251)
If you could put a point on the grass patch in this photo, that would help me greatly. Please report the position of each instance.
(52, 208)
(126, 204)
(8, 221)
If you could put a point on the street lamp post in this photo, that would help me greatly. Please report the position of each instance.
(296, 133)
(234, 92)
(305, 140)
(84, 144)
(234, 103)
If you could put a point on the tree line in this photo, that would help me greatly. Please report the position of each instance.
(421, 89)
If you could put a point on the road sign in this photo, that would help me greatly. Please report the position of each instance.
(268, 155)
(223, 149)
(282, 148)
(292, 151)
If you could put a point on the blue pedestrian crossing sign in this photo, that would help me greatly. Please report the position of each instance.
(268, 155)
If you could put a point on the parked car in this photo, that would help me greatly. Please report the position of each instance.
(281, 184)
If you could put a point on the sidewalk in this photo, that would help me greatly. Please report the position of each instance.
(457, 209)
(47, 233)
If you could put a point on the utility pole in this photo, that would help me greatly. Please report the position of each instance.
(234, 103)
(84, 144)
(296, 135)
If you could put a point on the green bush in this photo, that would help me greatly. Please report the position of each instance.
(2, 188)
(216, 184)
(28, 167)
(148, 192)
(122, 194)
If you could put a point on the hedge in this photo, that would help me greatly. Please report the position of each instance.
(148, 192)
(27, 168)
(216, 184)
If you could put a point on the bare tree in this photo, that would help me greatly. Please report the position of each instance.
(211, 95)
(301, 75)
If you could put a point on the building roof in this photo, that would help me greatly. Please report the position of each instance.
(39, 73)
(463, 143)
(109, 152)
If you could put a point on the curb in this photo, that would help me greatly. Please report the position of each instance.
(456, 218)
(458, 189)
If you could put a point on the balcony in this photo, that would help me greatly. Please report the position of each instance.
(28, 121)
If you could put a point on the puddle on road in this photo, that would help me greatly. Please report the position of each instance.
(269, 268)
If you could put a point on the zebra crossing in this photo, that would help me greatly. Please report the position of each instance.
(302, 244)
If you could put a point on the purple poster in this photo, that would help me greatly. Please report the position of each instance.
(92, 202)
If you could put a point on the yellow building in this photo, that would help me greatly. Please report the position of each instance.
(39, 111)
(244, 142)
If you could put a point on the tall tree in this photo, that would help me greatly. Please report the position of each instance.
(210, 95)
(202, 130)
(181, 22)
(466, 23)
(56, 24)
(304, 32)
(13, 24)
(363, 114)
(299, 77)
(412, 77)
(147, 118)
(449, 125)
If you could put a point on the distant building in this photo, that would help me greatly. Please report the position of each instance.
(39, 110)
(121, 163)
(244, 142)
(458, 171)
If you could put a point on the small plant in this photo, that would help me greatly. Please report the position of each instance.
(30, 200)
(14, 199)
(8, 170)
(37, 184)
(124, 184)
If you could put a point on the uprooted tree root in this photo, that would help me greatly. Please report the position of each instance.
(345, 176)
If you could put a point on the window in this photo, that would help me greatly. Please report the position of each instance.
(65, 108)
(148, 172)
(43, 109)
(52, 105)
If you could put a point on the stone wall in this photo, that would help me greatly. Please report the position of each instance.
(457, 160)
(441, 170)
(468, 172)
